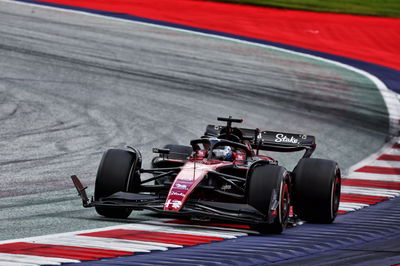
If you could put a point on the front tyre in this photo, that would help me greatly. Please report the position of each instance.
(317, 184)
(117, 172)
(269, 192)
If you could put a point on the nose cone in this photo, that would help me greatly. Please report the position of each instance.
(186, 181)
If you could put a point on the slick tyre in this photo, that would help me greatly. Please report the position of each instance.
(117, 172)
(268, 191)
(316, 190)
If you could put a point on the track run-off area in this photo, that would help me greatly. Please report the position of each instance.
(75, 84)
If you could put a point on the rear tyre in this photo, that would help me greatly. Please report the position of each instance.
(268, 192)
(117, 172)
(316, 190)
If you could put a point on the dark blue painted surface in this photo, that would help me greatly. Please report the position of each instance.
(390, 77)
(354, 232)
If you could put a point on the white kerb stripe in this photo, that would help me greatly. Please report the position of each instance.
(348, 208)
(9, 263)
(353, 205)
(370, 191)
(392, 151)
(382, 163)
(375, 177)
(145, 245)
(34, 260)
(96, 242)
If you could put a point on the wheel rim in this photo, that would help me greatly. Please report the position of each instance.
(335, 196)
(284, 204)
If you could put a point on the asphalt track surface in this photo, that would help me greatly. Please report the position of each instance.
(73, 85)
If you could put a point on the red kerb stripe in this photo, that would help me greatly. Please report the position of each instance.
(359, 200)
(389, 157)
(396, 146)
(371, 183)
(149, 236)
(358, 196)
(379, 170)
(59, 251)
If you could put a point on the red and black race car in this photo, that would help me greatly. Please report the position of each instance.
(221, 175)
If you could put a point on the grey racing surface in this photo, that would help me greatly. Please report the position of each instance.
(73, 85)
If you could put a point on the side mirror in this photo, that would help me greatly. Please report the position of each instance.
(160, 151)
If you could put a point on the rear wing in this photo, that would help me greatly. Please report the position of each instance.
(270, 140)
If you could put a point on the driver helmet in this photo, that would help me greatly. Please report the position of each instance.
(223, 153)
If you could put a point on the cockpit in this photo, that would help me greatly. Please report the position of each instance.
(219, 149)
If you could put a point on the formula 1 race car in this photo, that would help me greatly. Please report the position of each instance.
(221, 175)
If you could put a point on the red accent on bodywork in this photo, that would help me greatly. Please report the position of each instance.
(59, 251)
(200, 154)
(239, 157)
(150, 236)
(186, 181)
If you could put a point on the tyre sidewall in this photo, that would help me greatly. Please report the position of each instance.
(264, 187)
(314, 181)
(116, 172)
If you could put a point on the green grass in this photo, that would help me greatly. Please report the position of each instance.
(382, 8)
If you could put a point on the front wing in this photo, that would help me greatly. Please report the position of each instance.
(195, 209)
